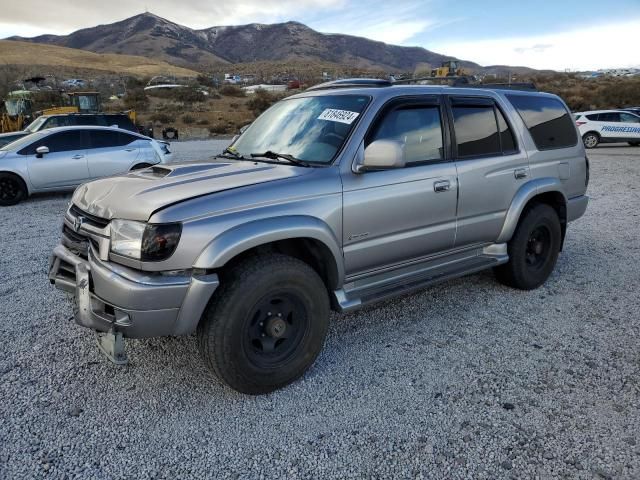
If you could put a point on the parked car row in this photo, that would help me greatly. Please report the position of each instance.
(609, 126)
(62, 158)
(120, 120)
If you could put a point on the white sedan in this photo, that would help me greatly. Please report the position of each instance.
(607, 126)
(63, 158)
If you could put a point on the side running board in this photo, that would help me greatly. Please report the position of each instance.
(378, 287)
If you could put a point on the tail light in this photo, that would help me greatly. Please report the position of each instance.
(580, 123)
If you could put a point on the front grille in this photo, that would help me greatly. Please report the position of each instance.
(89, 219)
(76, 242)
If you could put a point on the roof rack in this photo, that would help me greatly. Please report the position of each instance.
(455, 81)
(352, 83)
(527, 86)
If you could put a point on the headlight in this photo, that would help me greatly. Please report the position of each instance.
(143, 241)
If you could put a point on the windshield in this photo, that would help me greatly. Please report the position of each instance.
(36, 124)
(22, 142)
(312, 129)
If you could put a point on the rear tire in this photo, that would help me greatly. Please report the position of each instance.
(266, 324)
(12, 189)
(533, 249)
(590, 140)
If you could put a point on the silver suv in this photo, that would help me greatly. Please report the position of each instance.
(334, 198)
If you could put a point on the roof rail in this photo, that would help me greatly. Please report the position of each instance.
(527, 86)
(352, 83)
(454, 81)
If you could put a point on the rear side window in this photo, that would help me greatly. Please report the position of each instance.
(480, 128)
(107, 138)
(593, 117)
(549, 123)
(506, 135)
(418, 127)
(476, 131)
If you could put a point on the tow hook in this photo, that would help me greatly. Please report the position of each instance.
(111, 344)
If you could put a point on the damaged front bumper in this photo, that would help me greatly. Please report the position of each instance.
(114, 298)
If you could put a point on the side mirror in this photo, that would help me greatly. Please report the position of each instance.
(41, 151)
(382, 155)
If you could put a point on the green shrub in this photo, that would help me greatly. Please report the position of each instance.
(188, 119)
(231, 91)
(135, 99)
(260, 101)
(219, 128)
(162, 117)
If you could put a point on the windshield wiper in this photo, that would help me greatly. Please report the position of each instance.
(284, 156)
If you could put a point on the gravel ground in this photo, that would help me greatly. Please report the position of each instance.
(468, 379)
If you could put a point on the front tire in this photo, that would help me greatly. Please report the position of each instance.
(12, 189)
(533, 249)
(590, 140)
(266, 325)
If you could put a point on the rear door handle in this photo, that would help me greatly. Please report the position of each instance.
(442, 186)
(520, 173)
(129, 149)
(77, 157)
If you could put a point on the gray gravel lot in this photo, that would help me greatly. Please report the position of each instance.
(468, 379)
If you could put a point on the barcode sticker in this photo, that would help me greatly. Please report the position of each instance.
(342, 116)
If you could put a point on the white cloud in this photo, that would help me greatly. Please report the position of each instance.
(604, 46)
(28, 16)
(391, 31)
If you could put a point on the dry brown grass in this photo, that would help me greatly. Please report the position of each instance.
(24, 53)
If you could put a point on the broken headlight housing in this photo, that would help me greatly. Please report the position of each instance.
(144, 241)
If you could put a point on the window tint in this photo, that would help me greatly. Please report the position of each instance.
(58, 142)
(593, 117)
(418, 127)
(627, 117)
(506, 135)
(476, 130)
(107, 138)
(548, 121)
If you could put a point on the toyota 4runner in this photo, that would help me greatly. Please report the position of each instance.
(334, 198)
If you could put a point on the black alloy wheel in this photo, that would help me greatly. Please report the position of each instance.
(538, 247)
(275, 328)
(12, 190)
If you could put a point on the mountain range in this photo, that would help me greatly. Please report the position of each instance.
(151, 36)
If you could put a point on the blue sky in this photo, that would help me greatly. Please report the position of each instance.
(561, 34)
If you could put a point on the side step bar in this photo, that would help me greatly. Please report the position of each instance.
(377, 288)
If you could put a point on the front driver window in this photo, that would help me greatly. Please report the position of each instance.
(418, 127)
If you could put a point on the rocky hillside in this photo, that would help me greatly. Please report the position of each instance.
(154, 37)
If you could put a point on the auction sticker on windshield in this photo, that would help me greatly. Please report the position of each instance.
(342, 116)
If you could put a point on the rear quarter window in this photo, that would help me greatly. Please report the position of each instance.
(547, 119)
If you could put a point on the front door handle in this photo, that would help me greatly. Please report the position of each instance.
(77, 157)
(441, 186)
(520, 173)
(129, 149)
